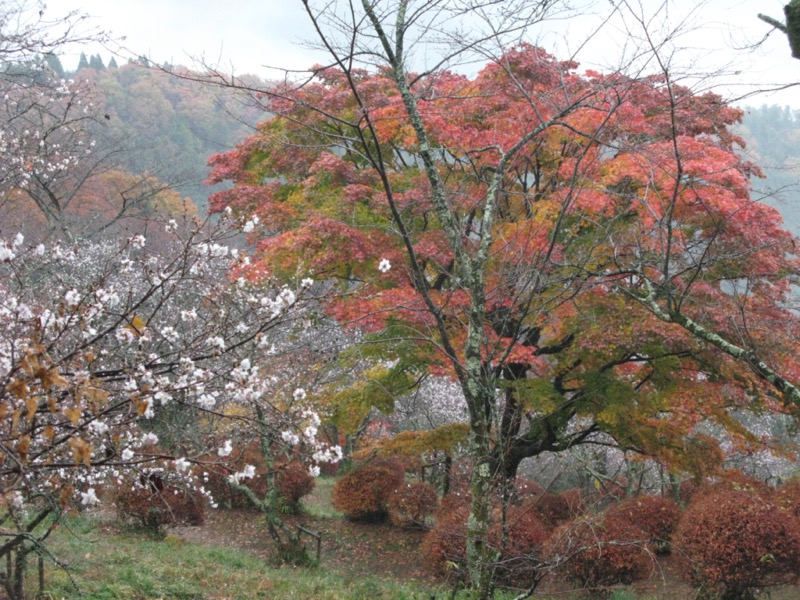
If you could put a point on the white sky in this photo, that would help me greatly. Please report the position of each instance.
(249, 34)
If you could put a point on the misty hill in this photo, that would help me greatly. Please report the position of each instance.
(164, 125)
(773, 142)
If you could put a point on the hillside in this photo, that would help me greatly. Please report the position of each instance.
(773, 142)
(167, 126)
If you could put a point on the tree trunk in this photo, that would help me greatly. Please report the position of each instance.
(480, 556)
(19, 573)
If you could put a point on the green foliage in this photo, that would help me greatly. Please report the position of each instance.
(419, 443)
(539, 395)
(165, 124)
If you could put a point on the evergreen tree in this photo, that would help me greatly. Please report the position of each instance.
(55, 65)
(96, 63)
(112, 64)
(83, 62)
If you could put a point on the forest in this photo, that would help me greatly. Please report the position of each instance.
(391, 328)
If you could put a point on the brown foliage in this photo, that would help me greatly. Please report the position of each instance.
(735, 480)
(554, 509)
(215, 477)
(736, 540)
(451, 502)
(445, 546)
(291, 479)
(655, 516)
(153, 504)
(599, 551)
(363, 493)
(788, 497)
(293, 482)
(411, 504)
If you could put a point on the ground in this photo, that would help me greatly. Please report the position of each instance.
(379, 550)
(230, 557)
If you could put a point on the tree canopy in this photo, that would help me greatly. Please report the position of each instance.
(619, 177)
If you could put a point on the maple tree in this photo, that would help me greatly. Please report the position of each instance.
(107, 202)
(577, 249)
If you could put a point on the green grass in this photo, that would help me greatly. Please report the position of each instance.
(318, 503)
(108, 565)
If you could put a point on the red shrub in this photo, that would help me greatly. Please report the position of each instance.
(736, 481)
(551, 508)
(599, 552)
(576, 501)
(362, 494)
(527, 488)
(153, 504)
(293, 482)
(453, 501)
(526, 536)
(215, 477)
(445, 546)
(687, 489)
(788, 497)
(655, 516)
(554, 509)
(291, 479)
(737, 541)
(411, 504)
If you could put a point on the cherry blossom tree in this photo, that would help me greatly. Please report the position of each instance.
(102, 342)
(109, 344)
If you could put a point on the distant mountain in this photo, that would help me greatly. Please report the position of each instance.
(772, 134)
(168, 126)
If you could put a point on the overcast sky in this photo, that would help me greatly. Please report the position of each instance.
(249, 35)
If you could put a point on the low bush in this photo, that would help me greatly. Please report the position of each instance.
(363, 493)
(657, 517)
(215, 475)
(735, 541)
(411, 505)
(152, 504)
(291, 479)
(445, 546)
(293, 482)
(788, 497)
(599, 551)
(577, 501)
(735, 480)
(452, 501)
(525, 489)
(522, 554)
(554, 509)
(687, 489)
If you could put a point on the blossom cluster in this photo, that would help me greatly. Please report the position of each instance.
(95, 352)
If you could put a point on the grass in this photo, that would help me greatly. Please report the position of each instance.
(110, 565)
(318, 503)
